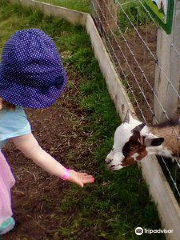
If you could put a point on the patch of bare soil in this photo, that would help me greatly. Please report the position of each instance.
(37, 196)
(136, 66)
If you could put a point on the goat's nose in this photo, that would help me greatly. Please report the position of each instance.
(108, 160)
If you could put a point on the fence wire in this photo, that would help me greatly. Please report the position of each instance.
(130, 36)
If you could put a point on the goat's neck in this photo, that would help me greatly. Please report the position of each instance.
(171, 145)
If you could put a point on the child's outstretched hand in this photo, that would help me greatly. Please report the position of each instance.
(80, 178)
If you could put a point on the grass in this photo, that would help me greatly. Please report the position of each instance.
(136, 13)
(119, 201)
(80, 5)
(134, 10)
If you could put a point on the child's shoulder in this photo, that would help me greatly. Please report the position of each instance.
(13, 123)
(7, 113)
(17, 116)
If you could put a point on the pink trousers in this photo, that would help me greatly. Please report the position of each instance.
(6, 182)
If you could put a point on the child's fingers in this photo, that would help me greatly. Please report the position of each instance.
(84, 175)
(87, 179)
(84, 181)
(81, 176)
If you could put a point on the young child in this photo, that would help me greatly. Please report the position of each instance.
(31, 76)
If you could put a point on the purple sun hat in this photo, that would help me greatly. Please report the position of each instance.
(31, 71)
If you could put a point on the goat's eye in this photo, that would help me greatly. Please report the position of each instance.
(131, 148)
(128, 148)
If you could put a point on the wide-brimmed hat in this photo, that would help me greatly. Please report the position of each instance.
(31, 71)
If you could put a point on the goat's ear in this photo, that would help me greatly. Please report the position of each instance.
(139, 127)
(128, 118)
(137, 133)
(154, 142)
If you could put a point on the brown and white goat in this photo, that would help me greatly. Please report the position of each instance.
(134, 140)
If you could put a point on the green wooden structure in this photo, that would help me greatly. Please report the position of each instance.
(162, 11)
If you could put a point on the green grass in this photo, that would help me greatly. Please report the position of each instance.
(136, 13)
(118, 202)
(80, 5)
(134, 10)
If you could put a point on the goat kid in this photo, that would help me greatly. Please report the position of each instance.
(134, 140)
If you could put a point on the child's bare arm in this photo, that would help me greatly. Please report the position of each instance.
(30, 147)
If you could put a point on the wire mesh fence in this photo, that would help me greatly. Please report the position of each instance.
(130, 36)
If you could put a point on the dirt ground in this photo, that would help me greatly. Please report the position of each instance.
(36, 195)
(130, 72)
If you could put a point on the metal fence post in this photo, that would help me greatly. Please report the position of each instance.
(167, 72)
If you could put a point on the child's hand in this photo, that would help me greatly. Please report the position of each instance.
(80, 178)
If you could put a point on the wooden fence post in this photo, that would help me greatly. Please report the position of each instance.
(104, 13)
(169, 72)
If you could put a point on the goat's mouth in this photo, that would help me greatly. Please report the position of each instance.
(114, 167)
